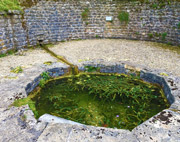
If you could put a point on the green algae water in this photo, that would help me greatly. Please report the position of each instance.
(106, 100)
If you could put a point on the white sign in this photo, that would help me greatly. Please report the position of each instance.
(108, 18)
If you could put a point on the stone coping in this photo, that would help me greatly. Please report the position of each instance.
(165, 126)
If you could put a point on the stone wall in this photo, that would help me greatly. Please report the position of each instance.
(52, 21)
(12, 33)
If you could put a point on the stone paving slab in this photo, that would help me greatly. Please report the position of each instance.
(163, 127)
(76, 133)
(14, 129)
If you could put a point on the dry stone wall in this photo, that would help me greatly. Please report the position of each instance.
(12, 33)
(52, 21)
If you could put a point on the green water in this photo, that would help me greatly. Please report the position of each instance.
(107, 100)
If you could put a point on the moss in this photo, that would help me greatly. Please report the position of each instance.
(72, 70)
(166, 46)
(48, 63)
(29, 101)
(164, 74)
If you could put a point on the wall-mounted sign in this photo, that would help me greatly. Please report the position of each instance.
(108, 18)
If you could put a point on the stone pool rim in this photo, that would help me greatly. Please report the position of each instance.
(164, 79)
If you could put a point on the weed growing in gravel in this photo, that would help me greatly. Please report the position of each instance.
(48, 63)
(17, 70)
(10, 52)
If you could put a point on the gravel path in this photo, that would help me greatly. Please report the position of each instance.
(149, 54)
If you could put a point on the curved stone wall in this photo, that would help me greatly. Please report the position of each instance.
(52, 21)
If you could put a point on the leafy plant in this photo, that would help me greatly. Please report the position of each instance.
(150, 35)
(123, 16)
(45, 77)
(85, 13)
(10, 52)
(97, 36)
(42, 82)
(17, 70)
(164, 36)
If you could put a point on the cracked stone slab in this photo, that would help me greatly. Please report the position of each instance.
(76, 133)
(15, 127)
(12, 89)
(163, 127)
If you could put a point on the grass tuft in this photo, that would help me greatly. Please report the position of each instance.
(6, 5)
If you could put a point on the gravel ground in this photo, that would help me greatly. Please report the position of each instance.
(149, 54)
(29, 59)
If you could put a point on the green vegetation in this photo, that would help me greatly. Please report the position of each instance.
(123, 16)
(85, 13)
(97, 36)
(163, 74)
(45, 77)
(17, 70)
(150, 35)
(10, 52)
(178, 25)
(157, 34)
(48, 63)
(91, 69)
(24, 101)
(99, 99)
(87, 23)
(24, 117)
(6, 5)
(164, 36)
